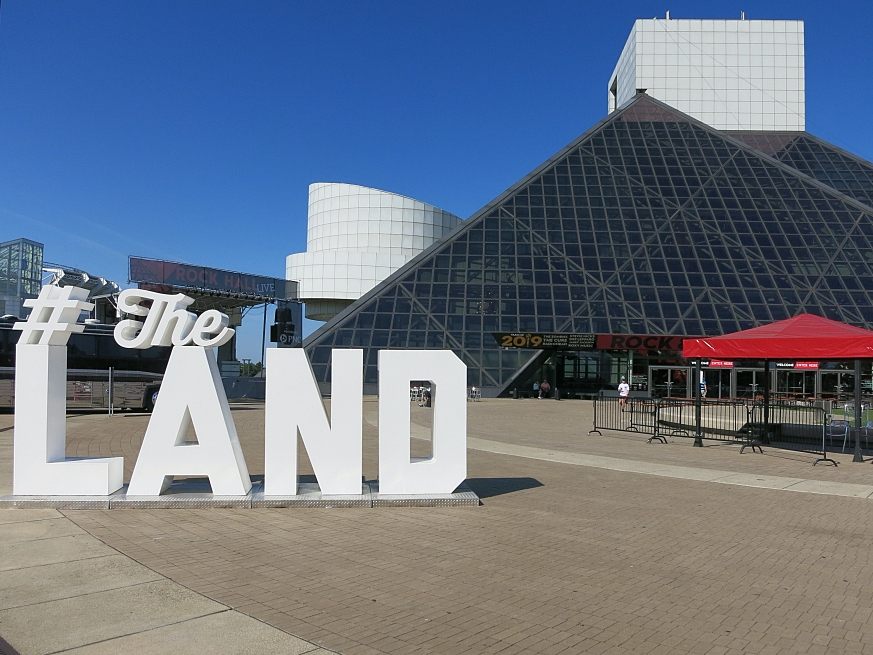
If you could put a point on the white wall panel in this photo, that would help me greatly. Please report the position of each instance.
(730, 74)
(357, 236)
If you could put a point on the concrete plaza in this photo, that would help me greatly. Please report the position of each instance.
(583, 544)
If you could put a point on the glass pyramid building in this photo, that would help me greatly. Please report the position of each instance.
(649, 223)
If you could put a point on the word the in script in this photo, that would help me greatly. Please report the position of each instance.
(168, 322)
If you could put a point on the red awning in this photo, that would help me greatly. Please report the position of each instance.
(803, 337)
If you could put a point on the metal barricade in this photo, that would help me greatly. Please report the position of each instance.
(720, 420)
(671, 416)
(643, 415)
(637, 414)
(792, 426)
(789, 425)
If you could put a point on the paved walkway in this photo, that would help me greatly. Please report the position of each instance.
(422, 431)
(63, 591)
(600, 544)
(680, 472)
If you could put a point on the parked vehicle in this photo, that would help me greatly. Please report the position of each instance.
(93, 357)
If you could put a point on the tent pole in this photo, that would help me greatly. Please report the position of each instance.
(858, 457)
(698, 401)
(766, 400)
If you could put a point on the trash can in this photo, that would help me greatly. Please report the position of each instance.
(515, 393)
(557, 394)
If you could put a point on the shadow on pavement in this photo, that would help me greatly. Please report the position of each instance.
(489, 487)
(6, 649)
(484, 487)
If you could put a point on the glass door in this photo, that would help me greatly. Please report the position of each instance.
(796, 384)
(578, 372)
(837, 385)
(669, 382)
(750, 383)
(718, 382)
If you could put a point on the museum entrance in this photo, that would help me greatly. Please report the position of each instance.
(800, 384)
(670, 382)
(575, 374)
(580, 372)
(718, 382)
(750, 383)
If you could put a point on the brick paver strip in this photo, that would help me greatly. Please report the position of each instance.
(559, 559)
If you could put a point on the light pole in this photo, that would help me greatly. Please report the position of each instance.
(698, 402)
(264, 338)
(858, 457)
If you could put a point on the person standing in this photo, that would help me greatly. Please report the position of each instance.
(537, 391)
(425, 398)
(623, 391)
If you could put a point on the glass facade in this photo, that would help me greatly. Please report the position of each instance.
(649, 223)
(819, 159)
(20, 275)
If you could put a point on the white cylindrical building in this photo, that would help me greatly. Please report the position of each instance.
(356, 237)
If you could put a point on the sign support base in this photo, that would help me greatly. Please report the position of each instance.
(194, 494)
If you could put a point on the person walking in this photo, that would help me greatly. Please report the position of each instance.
(623, 391)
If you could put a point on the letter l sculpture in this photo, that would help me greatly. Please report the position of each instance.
(40, 465)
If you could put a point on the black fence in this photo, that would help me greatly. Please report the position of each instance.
(779, 424)
(637, 414)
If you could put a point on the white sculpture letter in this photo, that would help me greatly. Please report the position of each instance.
(447, 467)
(294, 404)
(167, 322)
(40, 466)
(191, 393)
(211, 322)
(176, 324)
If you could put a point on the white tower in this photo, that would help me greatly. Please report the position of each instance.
(729, 74)
(357, 237)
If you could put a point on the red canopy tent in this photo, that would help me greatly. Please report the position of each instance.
(805, 336)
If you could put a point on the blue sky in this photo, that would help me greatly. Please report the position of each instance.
(191, 130)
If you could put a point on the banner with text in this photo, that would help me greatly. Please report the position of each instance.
(187, 276)
(560, 341)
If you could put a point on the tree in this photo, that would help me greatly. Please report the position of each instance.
(249, 369)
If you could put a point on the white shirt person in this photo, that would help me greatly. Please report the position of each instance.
(623, 391)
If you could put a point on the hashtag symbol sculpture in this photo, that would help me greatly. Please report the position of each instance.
(54, 316)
